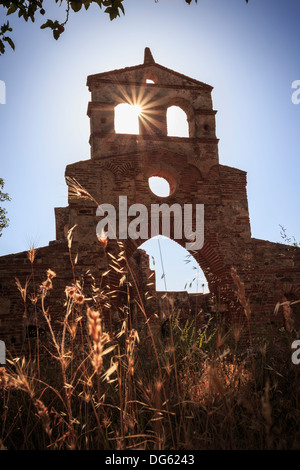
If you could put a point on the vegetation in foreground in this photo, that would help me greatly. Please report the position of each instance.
(84, 386)
(193, 388)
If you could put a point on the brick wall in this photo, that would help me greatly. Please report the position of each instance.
(120, 165)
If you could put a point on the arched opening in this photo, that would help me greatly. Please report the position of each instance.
(127, 118)
(166, 282)
(159, 186)
(177, 124)
(175, 268)
(162, 182)
(151, 78)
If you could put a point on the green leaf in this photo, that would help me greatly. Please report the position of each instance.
(10, 42)
(56, 34)
(5, 27)
(48, 24)
(12, 9)
(2, 47)
(122, 8)
(76, 6)
(113, 12)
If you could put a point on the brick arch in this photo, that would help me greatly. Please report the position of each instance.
(286, 287)
(142, 272)
(196, 170)
(209, 257)
(119, 168)
(182, 103)
(186, 106)
(168, 165)
(151, 75)
(164, 171)
(218, 275)
(214, 172)
(220, 281)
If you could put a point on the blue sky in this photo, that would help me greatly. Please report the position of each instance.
(249, 53)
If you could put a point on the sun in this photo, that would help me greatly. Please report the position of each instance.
(127, 118)
(137, 109)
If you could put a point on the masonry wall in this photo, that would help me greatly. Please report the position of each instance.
(121, 165)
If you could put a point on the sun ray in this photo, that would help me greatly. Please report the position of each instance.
(146, 103)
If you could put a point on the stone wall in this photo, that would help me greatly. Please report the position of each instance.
(121, 165)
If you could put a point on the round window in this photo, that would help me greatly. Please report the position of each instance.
(159, 186)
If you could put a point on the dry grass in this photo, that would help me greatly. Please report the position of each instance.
(94, 391)
(192, 389)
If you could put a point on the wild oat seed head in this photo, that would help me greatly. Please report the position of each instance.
(70, 291)
(47, 284)
(31, 254)
(103, 238)
(51, 274)
(79, 298)
(76, 190)
(237, 333)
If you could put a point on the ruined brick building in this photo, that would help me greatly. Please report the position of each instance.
(121, 164)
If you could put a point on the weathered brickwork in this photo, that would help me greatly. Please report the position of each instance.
(121, 164)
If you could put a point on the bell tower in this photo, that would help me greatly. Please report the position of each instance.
(122, 163)
(154, 88)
